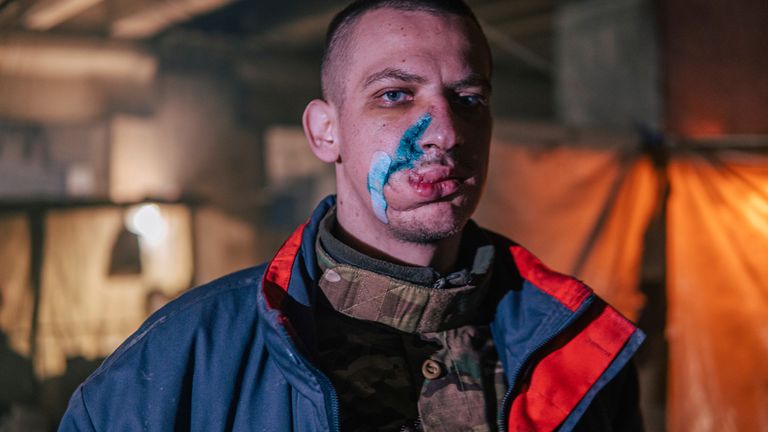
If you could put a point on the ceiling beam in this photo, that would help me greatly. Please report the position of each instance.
(159, 15)
(511, 46)
(28, 55)
(300, 31)
(47, 14)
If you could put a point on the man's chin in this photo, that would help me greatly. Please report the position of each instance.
(418, 236)
(429, 223)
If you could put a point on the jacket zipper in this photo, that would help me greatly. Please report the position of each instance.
(323, 380)
(504, 411)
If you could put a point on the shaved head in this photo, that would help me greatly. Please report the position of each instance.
(338, 42)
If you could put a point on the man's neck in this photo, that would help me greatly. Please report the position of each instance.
(440, 255)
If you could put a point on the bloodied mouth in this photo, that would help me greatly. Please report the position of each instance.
(426, 181)
(433, 182)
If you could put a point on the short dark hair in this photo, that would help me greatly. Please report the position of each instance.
(336, 38)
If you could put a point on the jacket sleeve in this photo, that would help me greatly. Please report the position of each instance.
(617, 406)
(76, 418)
(628, 416)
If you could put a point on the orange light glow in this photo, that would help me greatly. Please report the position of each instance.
(702, 128)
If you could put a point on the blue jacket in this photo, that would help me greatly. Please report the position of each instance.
(235, 354)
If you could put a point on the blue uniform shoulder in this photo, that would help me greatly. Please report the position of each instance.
(193, 350)
(240, 285)
(227, 301)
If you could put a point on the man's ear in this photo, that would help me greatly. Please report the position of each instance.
(319, 121)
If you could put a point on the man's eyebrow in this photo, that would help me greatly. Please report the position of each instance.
(393, 74)
(474, 80)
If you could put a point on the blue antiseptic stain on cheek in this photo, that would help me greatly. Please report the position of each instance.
(383, 166)
(377, 178)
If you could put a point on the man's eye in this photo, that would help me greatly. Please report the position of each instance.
(394, 96)
(470, 100)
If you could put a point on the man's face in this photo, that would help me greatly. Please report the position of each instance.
(414, 126)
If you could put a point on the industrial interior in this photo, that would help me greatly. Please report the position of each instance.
(149, 146)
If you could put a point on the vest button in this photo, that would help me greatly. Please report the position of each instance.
(332, 276)
(432, 369)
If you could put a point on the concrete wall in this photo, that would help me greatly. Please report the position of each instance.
(607, 64)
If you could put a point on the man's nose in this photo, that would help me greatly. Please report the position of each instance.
(443, 132)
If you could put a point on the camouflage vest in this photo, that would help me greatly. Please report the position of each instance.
(403, 356)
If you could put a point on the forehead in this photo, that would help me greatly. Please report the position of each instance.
(387, 37)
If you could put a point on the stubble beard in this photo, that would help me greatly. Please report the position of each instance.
(426, 231)
(424, 237)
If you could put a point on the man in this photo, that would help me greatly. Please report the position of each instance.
(389, 309)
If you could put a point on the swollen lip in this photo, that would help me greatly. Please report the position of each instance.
(431, 187)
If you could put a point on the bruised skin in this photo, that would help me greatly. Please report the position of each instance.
(383, 166)
(377, 179)
(413, 176)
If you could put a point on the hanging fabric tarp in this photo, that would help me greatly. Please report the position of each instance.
(718, 294)
(16, 298)
(581, 206)
(85, 311)
(17, 379)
